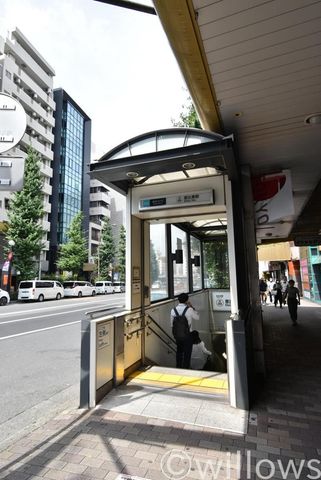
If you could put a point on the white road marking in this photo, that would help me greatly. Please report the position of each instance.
(50, 315)
(39, 330)
(50, 308)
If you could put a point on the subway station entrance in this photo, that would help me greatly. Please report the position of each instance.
(183, 235)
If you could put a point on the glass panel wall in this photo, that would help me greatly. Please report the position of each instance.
(158, 263)
(196, 270)
(180, 270)
(216, 272)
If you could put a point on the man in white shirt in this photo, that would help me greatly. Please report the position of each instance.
(184, 343)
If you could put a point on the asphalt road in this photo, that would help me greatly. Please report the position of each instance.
(40, 359)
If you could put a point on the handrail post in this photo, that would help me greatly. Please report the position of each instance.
(85, 363)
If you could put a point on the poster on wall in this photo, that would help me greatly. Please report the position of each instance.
(305, 278)
(221, 300)
(273, 197)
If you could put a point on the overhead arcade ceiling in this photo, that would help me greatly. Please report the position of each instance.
(253, 68)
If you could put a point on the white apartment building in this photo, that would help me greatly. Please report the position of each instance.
(26, 75)
(104, 203)
(98, 210)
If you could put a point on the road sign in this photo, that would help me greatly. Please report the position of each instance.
(13, 122)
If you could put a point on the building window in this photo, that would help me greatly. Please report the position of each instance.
(196, 270)
(180, 270)
(158, 263)
(6, 203)
(8, 74)
(314, 251)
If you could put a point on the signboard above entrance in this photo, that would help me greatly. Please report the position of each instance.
(201, 197)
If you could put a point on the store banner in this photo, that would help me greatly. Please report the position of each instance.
(273, 197)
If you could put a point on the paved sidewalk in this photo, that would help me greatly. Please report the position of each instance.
(285, 426)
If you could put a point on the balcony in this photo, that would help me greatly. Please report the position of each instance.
(46, 188)
(30, 104)
(46, 171)
(46, 225)
(30, 141)
(47, 207)
(38, 74)
(99, 197)
(40, 129)
(99, 211)
(29, 83)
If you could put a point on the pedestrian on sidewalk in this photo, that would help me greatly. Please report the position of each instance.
(278, 297)
(200, 354)
(293, 298)
(181, 322)
(263, 288)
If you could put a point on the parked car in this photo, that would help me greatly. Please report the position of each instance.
(78, 288)
(118, 287)
(40, 290)
(103, 287)
(4, 297)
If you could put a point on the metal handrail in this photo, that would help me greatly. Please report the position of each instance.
(164, 341)
(161, 328)
(130, 334)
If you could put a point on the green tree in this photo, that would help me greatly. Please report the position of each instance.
(153, 264)
(216, 264)
(74, 253)
(107, 249)
(122, 254)
(188, 117)
(24, 219)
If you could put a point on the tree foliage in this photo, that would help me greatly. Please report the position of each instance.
(153, 264)
(188, 117)
(24, 219)
(107, 249)
(122, 254)
(74, 253)
(216, 264)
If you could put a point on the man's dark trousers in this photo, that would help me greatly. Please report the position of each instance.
(184, 352)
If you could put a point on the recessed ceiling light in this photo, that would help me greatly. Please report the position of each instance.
(188, 165)
(238, 114)
(313, 119)
(132, 174)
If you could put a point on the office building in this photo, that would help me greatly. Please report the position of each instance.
(70, 183)
(28, 77)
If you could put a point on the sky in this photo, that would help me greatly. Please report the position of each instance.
(115, 63)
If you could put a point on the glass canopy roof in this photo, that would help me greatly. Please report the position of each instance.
(151, 144)
(161, 140)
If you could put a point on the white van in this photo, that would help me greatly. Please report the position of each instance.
(103, 287)
(118, 287)
(78, 288)
(40, 290)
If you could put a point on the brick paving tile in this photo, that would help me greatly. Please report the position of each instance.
(74, 468)
(112, 466)
(56, 474)
(93, 462)
(111, 476)
(133, 470)
(95, 472)
(146, 455)
(72, 458)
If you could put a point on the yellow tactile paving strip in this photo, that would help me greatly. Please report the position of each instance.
(170, 379)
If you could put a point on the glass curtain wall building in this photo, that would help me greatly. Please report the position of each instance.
(70, 192)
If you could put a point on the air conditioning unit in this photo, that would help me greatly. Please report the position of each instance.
(35, 96)
(33, 132)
